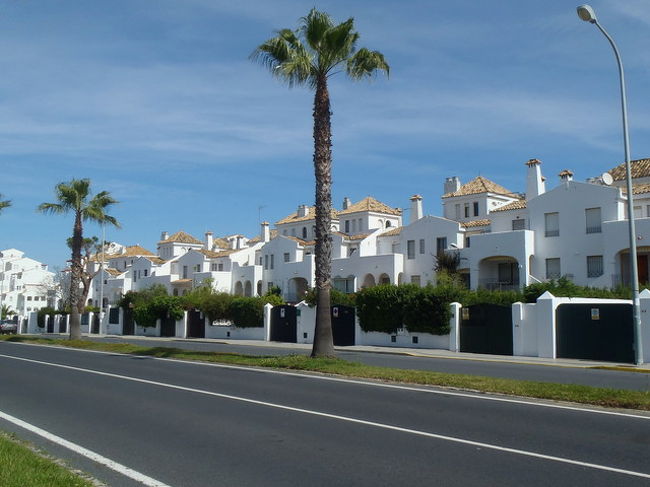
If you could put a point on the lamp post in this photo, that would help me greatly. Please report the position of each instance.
(586, 13)
(2, 281)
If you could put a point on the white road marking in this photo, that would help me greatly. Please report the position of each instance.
(453, 439)
(429, 390)
(80, 450)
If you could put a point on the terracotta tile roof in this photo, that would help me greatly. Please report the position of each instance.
(515, 205)
(182, 237)
(480, 185)
(311, 215)
(182, 281)
(566, 172)
(475, 223)
(359, 236)
(296, 239)
(131, 251)
(155, 260)
(638, 189)
(213, 255)
(392, 233)
(272, 235)
(371, 204)
(113, 272)
(640, 169)
(220, 243)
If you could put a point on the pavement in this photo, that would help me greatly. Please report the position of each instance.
(412, 352)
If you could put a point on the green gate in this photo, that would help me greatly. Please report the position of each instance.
(486, 328)
(595, 332)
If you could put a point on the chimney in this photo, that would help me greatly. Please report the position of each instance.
(209, 241)
(302, 210)
(164, 236)
(346, 203)
(265, 233)
(452, 184)
(566, 175)
(416, 208)
(238, 244)
(534, 179)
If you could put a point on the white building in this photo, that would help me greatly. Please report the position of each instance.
(25, 284)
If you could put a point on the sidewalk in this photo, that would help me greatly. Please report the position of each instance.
(412, 352)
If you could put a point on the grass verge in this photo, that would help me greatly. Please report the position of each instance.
(616, 398)
(20, 466)
(621, 369)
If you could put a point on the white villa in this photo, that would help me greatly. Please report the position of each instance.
(25, 284)
(505, 240)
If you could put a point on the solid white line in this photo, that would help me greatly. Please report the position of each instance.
(429, 390)
(453, 439)
(80, 450)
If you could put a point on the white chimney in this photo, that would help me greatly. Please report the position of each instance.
(452, 184)
(239, 242)
(346, 203)
(534, 179)
(209, 241)
(302, 210)
(416, 208)
(265, 233)
(566, 175)
(164, 236)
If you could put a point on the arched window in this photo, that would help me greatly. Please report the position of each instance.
(304, 232)
(387, 223)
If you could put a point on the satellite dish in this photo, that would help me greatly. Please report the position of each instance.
(607, 179)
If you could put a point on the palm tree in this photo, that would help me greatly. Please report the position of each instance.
(310, 55)
(74, 197)
(4, 203)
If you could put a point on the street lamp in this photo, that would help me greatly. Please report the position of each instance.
(586, 13)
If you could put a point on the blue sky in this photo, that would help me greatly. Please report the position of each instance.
(157, 102)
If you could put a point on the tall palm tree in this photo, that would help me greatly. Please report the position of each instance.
(310, 55)
(4, 203)
(75, 197)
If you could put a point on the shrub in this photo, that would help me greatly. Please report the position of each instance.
(381, 308)
(216, 306)
(426, 312)
(247, 312)
(337, 298)
(41, 313)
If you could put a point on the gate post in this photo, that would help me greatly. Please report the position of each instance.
(185, 323)
(454, 323)
(267, 321)
(546, 336)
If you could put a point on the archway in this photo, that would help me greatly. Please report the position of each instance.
(384, 279)
(298, 287)
(239, 289)
(499, 272)
(248, 289)
(369, 281)
(259, 288)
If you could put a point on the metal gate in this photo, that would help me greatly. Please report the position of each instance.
(486, 328)
(50, 323)
(595, 332)
(128, 326)
(195, 324)
(284, 324)
(94, 325)
(168, 327)
(63, 324)
(343, 325)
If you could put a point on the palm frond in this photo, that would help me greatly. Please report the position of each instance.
(339, 44)
(285, 57)
(366, 63)
(314, 27)
(4, 203)
(52, 208)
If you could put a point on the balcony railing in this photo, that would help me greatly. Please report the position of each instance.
(492, 284)
(595, 229)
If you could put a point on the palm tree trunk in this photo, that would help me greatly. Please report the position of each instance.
(77, 241)
(323, 341)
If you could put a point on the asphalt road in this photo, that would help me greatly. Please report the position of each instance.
(187, 424)
(543, 373)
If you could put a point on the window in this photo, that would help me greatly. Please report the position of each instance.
(304, 232)
(354, 226)
(519, 224)
(441, 244)
(457, 211)
(594, 265)
(360, 225)
(347, 226)
(272, 259)
(269, 286)
(422, 246)
(287, 256)
(387, 224)
(593, 219)
(476, 208)
(220, 267)
(410, 249)
(467, 242)
(266, 261)
(284, 232)
(552, 224)
(415, 280)
(260, 261)
(184, 272)
(553, 269)
(29, 298)
(146, 271)
(197, 268)
(466, 210)
(213, 267)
